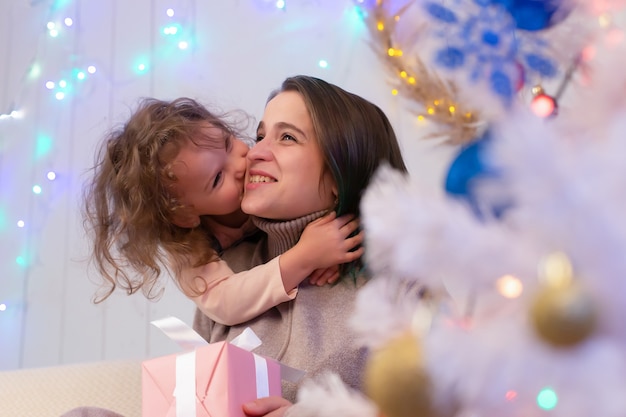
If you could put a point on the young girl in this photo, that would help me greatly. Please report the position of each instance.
(166, 193)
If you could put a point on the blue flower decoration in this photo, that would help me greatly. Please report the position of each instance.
(482, 38)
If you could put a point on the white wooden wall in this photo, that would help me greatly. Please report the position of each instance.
(239, 50)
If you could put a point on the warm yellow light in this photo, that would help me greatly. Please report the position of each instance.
(394, 92)
(556, 270)
(509, 286)
(604, 20)
(403, 74)
(411, 80)
(396, 18)
(380, 26)
(399, 52)
(468, 115)
(436, 102)
(430, 110)
(391, 51)
(420, 118)
(452, 109)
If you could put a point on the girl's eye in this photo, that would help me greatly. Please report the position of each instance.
(218, 177)
(287, 136)
(259, 138)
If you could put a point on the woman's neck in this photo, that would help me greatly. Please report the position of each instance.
(282, 235)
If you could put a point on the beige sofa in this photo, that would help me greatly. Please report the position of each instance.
(52, 391)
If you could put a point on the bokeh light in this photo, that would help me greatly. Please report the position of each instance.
(509, 286)
(547, 399)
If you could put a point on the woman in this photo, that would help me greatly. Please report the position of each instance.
(317, 148)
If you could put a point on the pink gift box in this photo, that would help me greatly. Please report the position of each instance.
(225, 376)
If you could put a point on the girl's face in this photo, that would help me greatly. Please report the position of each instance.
(209, 181)
(284, 179)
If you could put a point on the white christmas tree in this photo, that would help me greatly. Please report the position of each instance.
(519, 311)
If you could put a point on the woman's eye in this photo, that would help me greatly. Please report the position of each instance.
(218, 177)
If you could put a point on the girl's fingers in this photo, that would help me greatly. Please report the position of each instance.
(356, 240)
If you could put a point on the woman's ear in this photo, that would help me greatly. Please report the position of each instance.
(186, 220)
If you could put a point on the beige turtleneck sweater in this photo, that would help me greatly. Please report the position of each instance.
(308, 333)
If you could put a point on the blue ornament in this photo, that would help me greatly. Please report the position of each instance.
(467, 170)
(534, 15)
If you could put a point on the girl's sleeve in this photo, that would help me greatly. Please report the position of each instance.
(232, 298)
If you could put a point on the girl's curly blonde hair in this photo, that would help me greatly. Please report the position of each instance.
(128, 203)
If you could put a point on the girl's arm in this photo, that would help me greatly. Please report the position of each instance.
(236, 298)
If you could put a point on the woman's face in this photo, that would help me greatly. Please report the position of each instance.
(285, 166)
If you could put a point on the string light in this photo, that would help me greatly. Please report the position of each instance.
(547, 399)
(170, 12)
(141, 67)
(51, 175)
(323, 63)
(20, 223)
(52, 30)
(3, 307)
(170, 30)
(183, 45)
(509, 286)
(510, 395)
(451, 114)
(91, 69)
(43, 145)
(280, 4)
(68, 21)
(37, 189)
(14, 114)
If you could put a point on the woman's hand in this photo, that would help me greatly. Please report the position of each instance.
(268, 407)
(325, 276)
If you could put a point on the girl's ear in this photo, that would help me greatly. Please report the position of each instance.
(185, 219)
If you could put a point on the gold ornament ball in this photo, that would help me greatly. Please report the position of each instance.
(396, 380)
(564, 315)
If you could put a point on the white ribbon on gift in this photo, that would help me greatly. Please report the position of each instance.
(189, 340)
